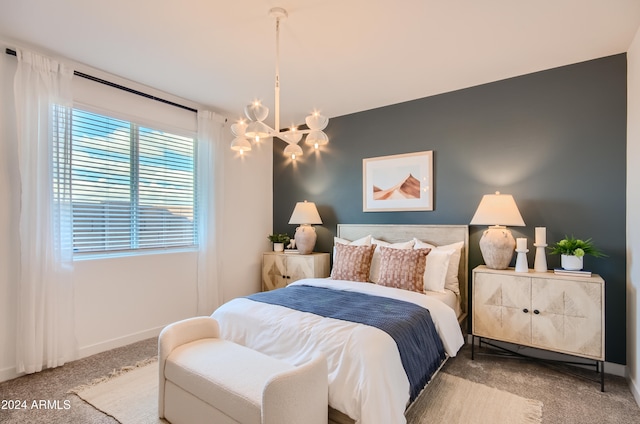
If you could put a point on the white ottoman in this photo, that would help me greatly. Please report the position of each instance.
(204, 379)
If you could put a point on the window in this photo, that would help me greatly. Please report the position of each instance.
(132, 187)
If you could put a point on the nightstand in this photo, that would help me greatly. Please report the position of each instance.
(281, 269)
(543, 310)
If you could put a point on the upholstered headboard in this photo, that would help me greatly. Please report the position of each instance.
(435, 234)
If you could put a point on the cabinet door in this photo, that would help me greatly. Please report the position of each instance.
(299, 267)
(274, 271)
(499, 304)
(569, 318)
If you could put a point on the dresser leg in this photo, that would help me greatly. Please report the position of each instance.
(602, 376)
(473, 344)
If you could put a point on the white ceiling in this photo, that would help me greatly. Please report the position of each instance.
(338, 56)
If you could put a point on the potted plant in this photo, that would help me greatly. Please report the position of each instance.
(573, 250)
(279, 240)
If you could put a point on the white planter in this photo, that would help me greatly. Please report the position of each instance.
(571, 263)
(278, 247)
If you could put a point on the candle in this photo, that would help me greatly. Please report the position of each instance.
(541, 235)
(521, 243)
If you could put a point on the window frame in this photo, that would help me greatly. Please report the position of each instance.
(136, 122)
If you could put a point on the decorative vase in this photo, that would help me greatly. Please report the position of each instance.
(497, 245)
(305, 238)
(571, 262)
(278, 247)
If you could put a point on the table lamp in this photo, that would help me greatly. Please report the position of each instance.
(497, 244)
(305, 214)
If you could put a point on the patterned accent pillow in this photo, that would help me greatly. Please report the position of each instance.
(352, 263)
(403, 268)
(374, 275)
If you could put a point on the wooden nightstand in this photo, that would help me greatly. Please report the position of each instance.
(282, 269)
(542, 310)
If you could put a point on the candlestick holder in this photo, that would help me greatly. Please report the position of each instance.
(540, 262)
(521, 261)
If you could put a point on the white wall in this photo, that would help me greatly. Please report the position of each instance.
(633, 216)
(122, 300)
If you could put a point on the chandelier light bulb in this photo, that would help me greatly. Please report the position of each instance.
(293, 151)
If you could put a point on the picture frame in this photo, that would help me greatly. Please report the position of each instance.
(401, 182)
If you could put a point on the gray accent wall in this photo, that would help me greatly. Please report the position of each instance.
(555, 140)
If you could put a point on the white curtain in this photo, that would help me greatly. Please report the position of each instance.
(210, 169)
(45, 333)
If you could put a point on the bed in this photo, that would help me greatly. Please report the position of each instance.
(367, 379)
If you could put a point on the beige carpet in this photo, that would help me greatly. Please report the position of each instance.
(130, 396)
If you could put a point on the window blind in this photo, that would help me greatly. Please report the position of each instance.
(133, 187)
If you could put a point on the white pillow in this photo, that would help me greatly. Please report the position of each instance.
(364, 241)
(451, 278)
(435, 271)
(374, 273)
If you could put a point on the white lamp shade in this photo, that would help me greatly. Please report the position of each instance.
(497, 209)
(257, 129)
(305, 213)
(239, 128)
(316, 121)
(240, 144)
(256, 111)
(317, 138)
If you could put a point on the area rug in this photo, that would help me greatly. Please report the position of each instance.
(130, 396)
(451, 399)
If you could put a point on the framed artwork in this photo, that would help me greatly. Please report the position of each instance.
(398, 183)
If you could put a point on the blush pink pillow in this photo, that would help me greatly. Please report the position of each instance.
(403, 268)
(352, 263)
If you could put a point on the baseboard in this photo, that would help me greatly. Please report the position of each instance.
(118, 342)
(10, 373)
(609, 367)
(635, 391)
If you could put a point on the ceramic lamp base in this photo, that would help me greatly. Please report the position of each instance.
(305, 238)
(497, 246)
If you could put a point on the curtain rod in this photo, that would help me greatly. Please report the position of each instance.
(121, 87)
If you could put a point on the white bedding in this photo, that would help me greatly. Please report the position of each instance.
(366, 378)
(448, 297)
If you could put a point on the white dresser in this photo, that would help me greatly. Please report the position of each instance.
(543, 310)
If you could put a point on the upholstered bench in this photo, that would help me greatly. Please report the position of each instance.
(204, 379)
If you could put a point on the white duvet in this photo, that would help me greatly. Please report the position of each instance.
(366, 377)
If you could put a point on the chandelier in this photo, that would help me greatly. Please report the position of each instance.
(255, 129)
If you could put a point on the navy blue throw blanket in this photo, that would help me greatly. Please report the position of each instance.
(410, 325)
